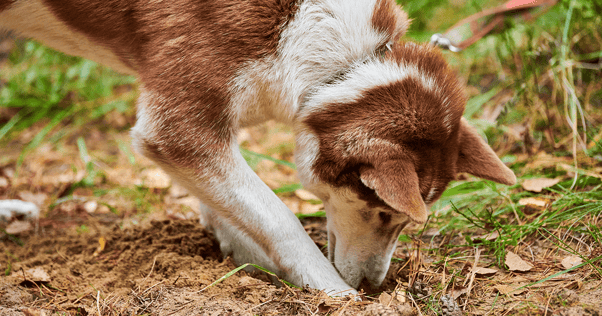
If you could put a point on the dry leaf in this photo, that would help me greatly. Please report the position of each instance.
(571, 261)
(305, 195)
(90, 206)
(155, 178)
(491, 236)
(308, 208)
(538, 184)
(37, 275)
(32, 312)
(534, 201)
(293, 204)
(37, 199)
(400, 296)
(189, 201)
(484, 271)
(102, 242)
(177, 191)
(515, 263)
(507, 289)
(385, 298)
(3, 183)
(18, 227)
(458, 291)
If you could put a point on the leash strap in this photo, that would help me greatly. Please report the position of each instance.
(471, 29)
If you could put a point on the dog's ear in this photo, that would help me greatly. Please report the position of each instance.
(477, 158)
(396, 183)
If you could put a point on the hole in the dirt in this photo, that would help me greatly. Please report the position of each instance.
(78, 311)
(31, 284)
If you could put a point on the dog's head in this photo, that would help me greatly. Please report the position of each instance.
(379, 144)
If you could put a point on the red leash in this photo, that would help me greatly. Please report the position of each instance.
(471, 29)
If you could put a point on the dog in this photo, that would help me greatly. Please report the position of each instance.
(377, 121)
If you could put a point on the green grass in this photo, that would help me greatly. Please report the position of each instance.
(48, 88)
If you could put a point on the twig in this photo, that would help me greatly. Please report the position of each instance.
(340, 311)
(149, 273)
(443, 285)
(415, 304)
(254, 307)
(477, 254)
(153, 286)
(98, 302)
(181, 308)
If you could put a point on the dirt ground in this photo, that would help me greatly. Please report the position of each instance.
(161, 267)
(129, 243)
(164, 267)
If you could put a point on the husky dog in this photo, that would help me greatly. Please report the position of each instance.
(378, 122)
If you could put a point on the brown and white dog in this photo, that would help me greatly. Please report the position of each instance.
(378, 123)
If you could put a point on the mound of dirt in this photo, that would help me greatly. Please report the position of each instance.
(161, 268)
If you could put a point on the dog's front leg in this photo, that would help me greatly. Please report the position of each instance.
(250, 221)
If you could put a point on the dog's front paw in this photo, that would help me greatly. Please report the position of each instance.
(10, 208)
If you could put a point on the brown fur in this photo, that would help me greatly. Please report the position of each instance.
(401, 121)
(477, 158)
(186, 53)
(4, 4)
(390, 19)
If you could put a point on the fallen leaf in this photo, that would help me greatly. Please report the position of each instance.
(507, 289)
(37, 275)
(534, 201)
(293, 204)
(90, 206)
(571, 261)
(458, 291)
(491, 236)
(515, 263)
(190, 201)
(484, 271)
(18, 227)
(385, 298)
(37, 199)
(247, 280)
(32, 312)
(538, 184)
(305, 195)
(400, 296)
(177, 191)
(308, 208)
(590, 173)
(3, 183)
(156, 178)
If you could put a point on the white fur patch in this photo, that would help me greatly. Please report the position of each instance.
(431, 195)
(324, 37)
(366, 76)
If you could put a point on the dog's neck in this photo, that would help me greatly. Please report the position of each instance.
(324, 39)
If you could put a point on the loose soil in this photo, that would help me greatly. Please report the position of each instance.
(162, 267)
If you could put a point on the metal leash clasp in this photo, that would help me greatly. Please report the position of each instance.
(444, 42)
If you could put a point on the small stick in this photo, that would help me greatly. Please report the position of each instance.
(477, 254)
(415, 304)
(98, 302)
(149, 273)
